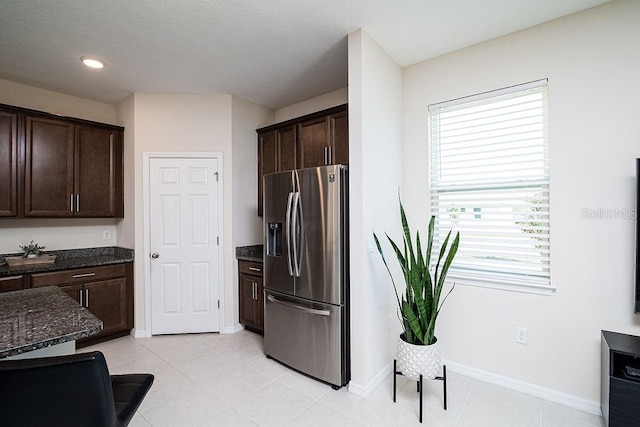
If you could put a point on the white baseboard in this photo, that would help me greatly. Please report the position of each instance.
(140, 333)
(569, 400)
(231, 329)
(531, 389)
(365, 390)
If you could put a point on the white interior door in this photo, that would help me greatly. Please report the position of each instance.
(183, 215)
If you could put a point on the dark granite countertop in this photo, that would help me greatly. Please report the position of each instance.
(41, 317)
(250, 253)
(71, 258)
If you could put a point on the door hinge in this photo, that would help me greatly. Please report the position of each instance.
(216, 174)
(218, 240)
(218, 304)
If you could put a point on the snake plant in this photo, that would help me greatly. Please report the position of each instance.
(420, 304)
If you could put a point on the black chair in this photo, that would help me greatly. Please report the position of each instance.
(74, 390)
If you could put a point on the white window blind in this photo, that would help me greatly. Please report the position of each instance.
(490, 181)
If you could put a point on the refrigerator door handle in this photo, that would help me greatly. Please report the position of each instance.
(289, 230)
(299, 307)
(297, 233)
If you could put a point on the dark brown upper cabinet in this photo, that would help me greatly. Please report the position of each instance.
(98, 175)
(316, 139)
(276, 153)
(49, 168)
(8, 164)
(71, 167)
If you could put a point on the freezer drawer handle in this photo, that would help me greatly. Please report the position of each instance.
(299, 307)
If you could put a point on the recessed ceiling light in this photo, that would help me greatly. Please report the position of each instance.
(92, 62)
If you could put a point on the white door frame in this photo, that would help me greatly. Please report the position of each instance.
(146, 185)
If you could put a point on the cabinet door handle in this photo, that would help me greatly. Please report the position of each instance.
(77, 203)
(325, 155)
(77, 276)
(80, 292)
(86, 297)
(331, 162)
(71, 202)
(254, 269)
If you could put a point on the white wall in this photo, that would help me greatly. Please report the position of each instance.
(24, 96)
(126, 226)
(246, 118)
(319, 103)
(591, 60)
(56, 233)
(182, 123)
(375, 173)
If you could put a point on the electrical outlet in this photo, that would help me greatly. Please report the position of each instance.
(106, 235)
(521, 336)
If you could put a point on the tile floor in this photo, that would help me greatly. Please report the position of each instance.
(225, 380)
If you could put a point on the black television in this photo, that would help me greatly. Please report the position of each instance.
(637, 279)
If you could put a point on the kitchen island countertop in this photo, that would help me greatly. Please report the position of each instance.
(36, 318)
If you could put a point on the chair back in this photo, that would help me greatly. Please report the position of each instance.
(72, 390)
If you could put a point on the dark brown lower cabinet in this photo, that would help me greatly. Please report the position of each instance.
(251, 295)
(13, 283)
(107, 291)
(107, 300)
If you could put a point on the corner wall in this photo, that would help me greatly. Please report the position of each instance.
(375, 174)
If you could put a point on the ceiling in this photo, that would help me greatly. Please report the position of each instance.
(270, 52)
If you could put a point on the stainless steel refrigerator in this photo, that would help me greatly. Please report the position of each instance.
(306, 271)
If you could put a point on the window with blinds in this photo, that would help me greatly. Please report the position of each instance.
(490, 181)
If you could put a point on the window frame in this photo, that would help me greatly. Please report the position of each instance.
(493, 278)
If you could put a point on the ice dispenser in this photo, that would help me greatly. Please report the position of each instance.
(274, 239)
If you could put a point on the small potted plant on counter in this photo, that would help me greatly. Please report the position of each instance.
(31, 254)
(32, 250)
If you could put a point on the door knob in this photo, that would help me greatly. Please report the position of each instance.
(155, 255)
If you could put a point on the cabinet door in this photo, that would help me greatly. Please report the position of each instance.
(248, 313)
(287, 152)
(339, 125)
(8, 163)
(313, 142)
(75, 291)
(267, 160)
(98, 172)
(48, 168)
(107, 301)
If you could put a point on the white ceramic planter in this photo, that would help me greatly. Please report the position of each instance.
(413, 360)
